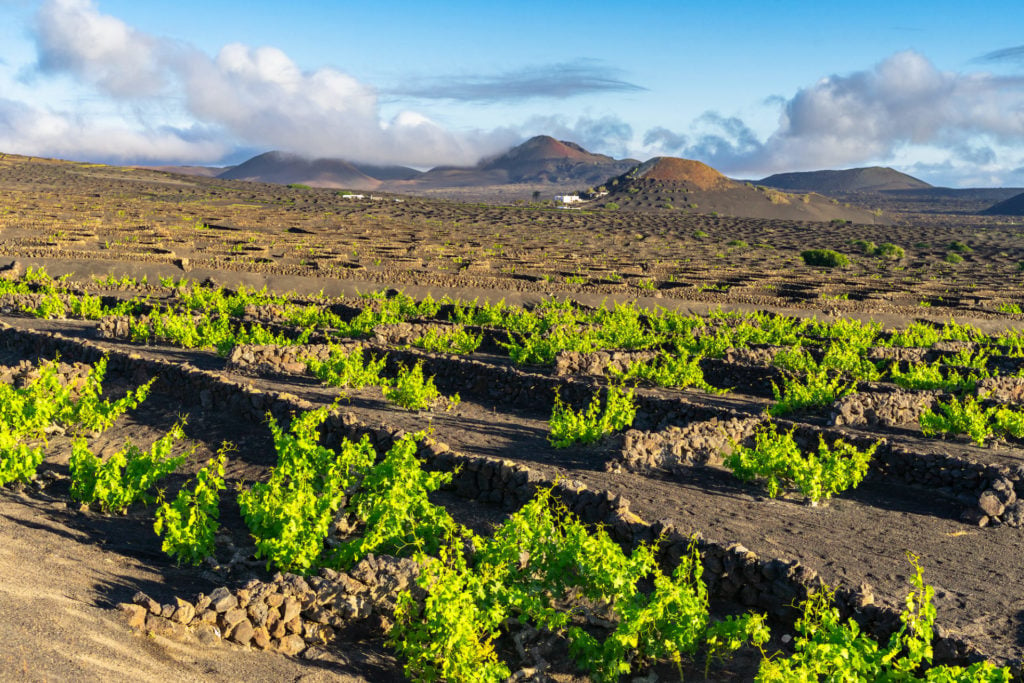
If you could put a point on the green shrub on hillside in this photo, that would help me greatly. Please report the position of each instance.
(825, 258)
(890, 251)
(868, 247)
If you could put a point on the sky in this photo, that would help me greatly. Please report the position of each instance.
(934, 89)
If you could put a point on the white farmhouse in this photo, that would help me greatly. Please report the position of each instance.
(567, 198)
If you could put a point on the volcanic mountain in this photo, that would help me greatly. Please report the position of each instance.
(541, 160)
(284, 169)
(1014, 206)
(685, 185)
(871, 179)
(540, 163)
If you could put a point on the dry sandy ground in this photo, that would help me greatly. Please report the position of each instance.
(59, 624)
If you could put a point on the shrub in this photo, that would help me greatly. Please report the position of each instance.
(970, 418)
(299, 186)
(868, 247)
(611, 206)
(412, 391)
(960, 247)
(890, 251)
(818, 390)
(1009, 308)
(675, 370)
(952, 257)
(347, 370)
(923, 376)
(826, 648)
(453, 340)
(959, 417)
(126, 476)
(824, 258)
(820, 475)
(394, 505)
(290, 515)
(188, 524)
(569, 427)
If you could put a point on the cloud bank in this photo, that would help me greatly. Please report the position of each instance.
(866, 116)
(243, 96)
(901, 109)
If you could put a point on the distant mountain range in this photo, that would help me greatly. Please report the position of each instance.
(552, 166)
(284, 169)
(871, 179)
(540, 162)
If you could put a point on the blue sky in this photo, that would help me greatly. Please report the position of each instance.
(933, 88)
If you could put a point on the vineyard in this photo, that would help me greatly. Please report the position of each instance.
(492, 491)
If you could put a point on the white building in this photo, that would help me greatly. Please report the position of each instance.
(567, 198)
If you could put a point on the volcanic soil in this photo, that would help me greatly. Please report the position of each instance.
(66, 568)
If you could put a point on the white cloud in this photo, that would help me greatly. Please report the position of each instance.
(73, 36)
(903, 100)
(256, 97)
(868, 117)
(38, 132)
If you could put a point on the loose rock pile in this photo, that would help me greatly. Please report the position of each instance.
(698, 443)
(1001, 503)
(890, 409)
(26, 372)
(1009, 390)
(281, 359)
(13, 303)
(596, 363)
(289, 614)
(762, 355)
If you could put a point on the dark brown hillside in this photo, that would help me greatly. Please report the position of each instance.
(541, 161)
(670, 184)
(1014, 206)
(871, 179)
(284, 169)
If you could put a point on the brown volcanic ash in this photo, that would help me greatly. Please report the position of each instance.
(687, 172)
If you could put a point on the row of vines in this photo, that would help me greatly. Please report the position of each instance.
(618, 611)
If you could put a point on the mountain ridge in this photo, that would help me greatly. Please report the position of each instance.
(285, 168)
(864, 179)
(686, 186)
(1014, 206)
